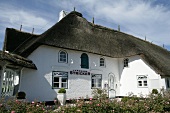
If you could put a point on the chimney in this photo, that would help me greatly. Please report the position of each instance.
(21, 27)
(32, 30)
(93, 20)
(62, 14)
(118, 27)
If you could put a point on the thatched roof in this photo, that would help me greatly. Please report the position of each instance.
(16, 60)
(76, 33)
(16, 38)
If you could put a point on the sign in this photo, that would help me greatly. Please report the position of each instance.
(80, 72)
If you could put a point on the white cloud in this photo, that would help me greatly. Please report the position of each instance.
(137, 17)
(14, 17)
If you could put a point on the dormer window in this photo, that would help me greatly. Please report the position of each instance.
(126, 61)
(63, 57)
(102, 62)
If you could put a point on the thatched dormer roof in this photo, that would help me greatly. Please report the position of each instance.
(76, 33)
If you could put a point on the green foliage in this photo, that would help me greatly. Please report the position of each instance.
(159, 103)
(154, 91)
(21, 95)
(62, 90)
(99, 93)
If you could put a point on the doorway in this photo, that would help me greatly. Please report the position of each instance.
(111, 83)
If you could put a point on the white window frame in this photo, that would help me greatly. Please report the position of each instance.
(96, 81)
(102, 62)
(60, 75)
(142, 81)
(126, 62)
(63, 58)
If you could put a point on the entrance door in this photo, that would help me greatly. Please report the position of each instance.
(112, 92)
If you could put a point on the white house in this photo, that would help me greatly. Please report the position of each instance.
(80, 56)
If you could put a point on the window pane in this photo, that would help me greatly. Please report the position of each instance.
(145, 83)
(139, 83)
(56, 85)
(56, 79)
(64, 85)
(64, 79)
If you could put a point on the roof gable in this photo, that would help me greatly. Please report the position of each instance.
(15, 39)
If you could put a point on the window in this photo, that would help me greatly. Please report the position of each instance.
(60, 79)
(102, 62)
(126, 61)
(96, 80)
(84, 61)
(167, 83)
(63, 56)
(142, 81)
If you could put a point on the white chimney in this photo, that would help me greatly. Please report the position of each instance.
(62, 14)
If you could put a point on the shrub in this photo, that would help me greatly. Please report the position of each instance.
(21, 95)
(154, 91)
(62, 90)
(99, 94)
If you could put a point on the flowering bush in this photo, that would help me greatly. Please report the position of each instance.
(132, 104)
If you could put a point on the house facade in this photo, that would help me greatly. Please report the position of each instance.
(80, 56)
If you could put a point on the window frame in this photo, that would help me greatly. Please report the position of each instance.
(59, 57)
(104, 62)
(92, 87)
(60, 79)
(126, 62)
(143, 81)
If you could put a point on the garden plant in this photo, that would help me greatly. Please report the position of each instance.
(159, 103)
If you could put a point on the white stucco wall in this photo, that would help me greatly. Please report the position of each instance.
(128, 79)
(38, 83)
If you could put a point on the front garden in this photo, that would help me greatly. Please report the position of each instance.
(155, 103)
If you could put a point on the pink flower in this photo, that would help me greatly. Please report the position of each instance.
(12, 111)
(32, 102)
(55, 101)
(90, 98)
(98, 104)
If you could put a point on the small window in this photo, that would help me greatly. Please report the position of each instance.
(167, 83)
(142, 81)
(96, 80)
(126, 61)
(60, 79)
(84, 61)
(102, 62)
(63, 56)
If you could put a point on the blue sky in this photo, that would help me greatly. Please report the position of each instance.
(140, 18)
